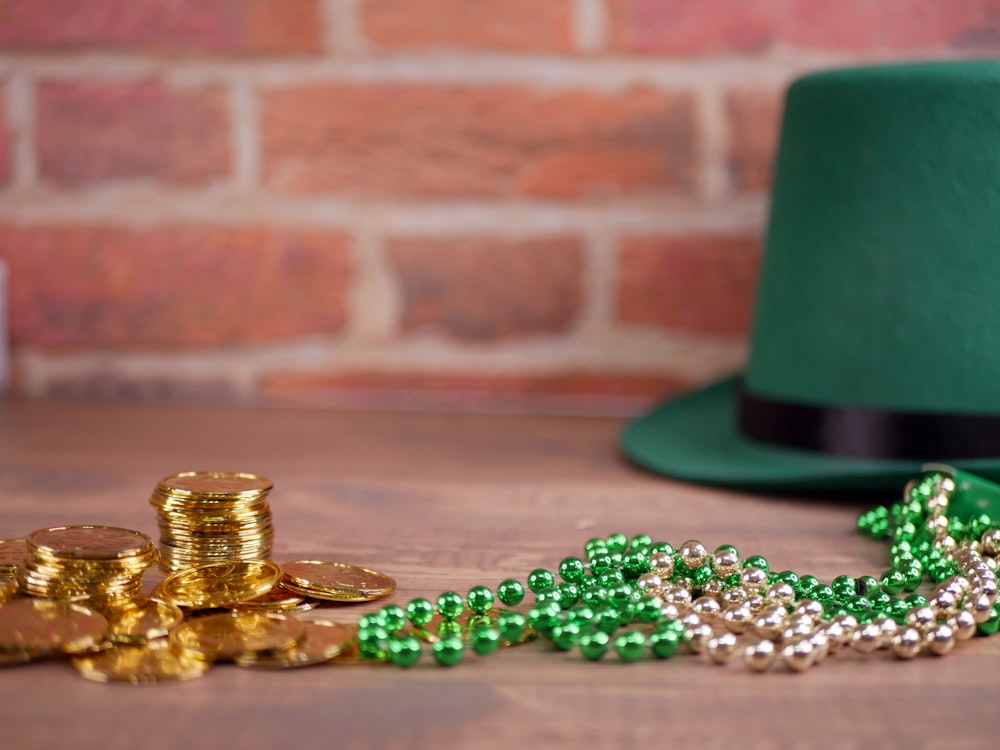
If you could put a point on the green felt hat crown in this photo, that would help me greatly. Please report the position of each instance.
(876, 337)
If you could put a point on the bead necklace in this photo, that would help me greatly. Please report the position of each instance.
(642, 598)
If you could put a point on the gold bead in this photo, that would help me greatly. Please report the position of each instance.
(799, 655)
(991, 542)
(720, 647)
(867, 638)
(981, 607)
(732, 597)
(696, 637)
(780, 593)
(706, 607)
(649, 581)
(906, 643)
(714, 588)
(963, 624)
(753, 579)
(760, 656)
(888, 628)
(921, 617)
(943, 603)
(691, 620)
(661, 560)
(755, 603)
(726, 563)
(809, 607)
(671, 611)
(836, 634)
(940, 639)
(821, 645)
(770, 623)
(676, 595)
(693, 554)
(738, 619)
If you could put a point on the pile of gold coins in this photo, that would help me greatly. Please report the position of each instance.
(76, 590)
(212, 516)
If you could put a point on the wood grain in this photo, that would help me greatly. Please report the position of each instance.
(445, 502)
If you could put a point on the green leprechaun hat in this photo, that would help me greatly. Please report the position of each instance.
(876, 337)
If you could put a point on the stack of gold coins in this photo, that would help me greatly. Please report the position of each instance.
(102, 564)
(212, 516)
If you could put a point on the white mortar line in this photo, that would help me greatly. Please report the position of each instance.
(374, 304)
(600, 280)
(19, 106)
(713, 178)
(589, 26)
(138, 203)
(342, 33)
(244, 116)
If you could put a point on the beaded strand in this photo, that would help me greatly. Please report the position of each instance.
(638, 597)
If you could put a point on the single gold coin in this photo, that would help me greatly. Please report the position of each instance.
(275, 600)
(206, 484)
(323, 641)
(145, 664)
(141, 619)
(89, 542)
(42, 626)
(230, 635)
(335, 581)
(13, 552)
(8, 589)
(219, 583)
(15, 657)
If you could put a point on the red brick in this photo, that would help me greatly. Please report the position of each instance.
(697, 284)
(579, 390)
(438, 140)
(97, 286)
(220, 26)
(485, 288)
(754, 124)
(511, 25)
(101, 131)
(685, 27)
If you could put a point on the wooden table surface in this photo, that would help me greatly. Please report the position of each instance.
(446, 502)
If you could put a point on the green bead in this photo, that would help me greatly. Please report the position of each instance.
(916, 600)
(450, 605)
(448, 651)
(892, 582)
(649, 609)
(419, 611)
(594, 644)
(880, 601)
(404, 651)
(394, 617)
(787, 576)
(511, 626)
(610, 578)
(447, 628)
(601, 562)
(606, 620)
(373, 643)
(913, 576)
(702, 575)
(596, 543)
(480, 599)
(540, 580)
(543, 617)
(823, 593)
(866, 584)
(844, 586)
(726, 548)
(581, 613)
(664, 643)
(510, 592)
(569, 594)
(658, 547)
(805, 586)
(634, 564)
(630, 645)
(640, 543)
(484, 641)
(757, 561)
(565, 635)
(595, 595)
(898, 609)
(992, 624)
(616, 543)
(371, 620)
(572, 569)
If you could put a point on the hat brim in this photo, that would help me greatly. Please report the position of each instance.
(695, 438)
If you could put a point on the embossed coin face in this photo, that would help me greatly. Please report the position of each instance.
(43, 626)
(214, 483)
(141, 620)
(335, 581)
(323, 641)
(218, 584)
(89, 542)
(154, 662)
(13, 552)
(230, 635)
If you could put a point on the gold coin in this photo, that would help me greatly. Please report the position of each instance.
(275, 600)
(220, 583)
(323, 641)
(142, 619)
(214, 484)
(8, 589)
(153, 662)
(13, 552)
(335, 581)
(44, 627)
(13, 658)
(229, 635)
(88, 542)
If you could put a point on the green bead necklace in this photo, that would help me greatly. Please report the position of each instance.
(646, 599)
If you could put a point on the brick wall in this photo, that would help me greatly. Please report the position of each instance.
(386, 201)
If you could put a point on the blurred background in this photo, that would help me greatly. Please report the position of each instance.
(461, 204)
